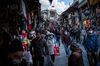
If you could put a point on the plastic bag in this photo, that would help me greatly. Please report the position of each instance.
(56, 50)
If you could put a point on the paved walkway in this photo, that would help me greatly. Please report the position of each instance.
(61, 60)
(84, 55)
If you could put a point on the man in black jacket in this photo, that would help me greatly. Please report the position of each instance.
(38, 49)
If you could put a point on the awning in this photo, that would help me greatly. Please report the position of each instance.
(93, 2)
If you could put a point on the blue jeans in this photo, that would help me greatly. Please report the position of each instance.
(66, 49)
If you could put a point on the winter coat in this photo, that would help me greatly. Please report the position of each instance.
(38, 47)
(91, 43)
(50, 43)
(75, 59)
(65, 39)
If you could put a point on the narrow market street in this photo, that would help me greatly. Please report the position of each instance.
(62, 60)
(49, 32)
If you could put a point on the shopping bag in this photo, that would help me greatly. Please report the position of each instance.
(49, 62)
(56, 50)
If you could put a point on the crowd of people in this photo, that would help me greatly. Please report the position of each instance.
(27, 48)
(89, 38)
(31, 48)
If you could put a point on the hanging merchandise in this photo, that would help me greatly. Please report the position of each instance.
(87, 23)
(24, 26)
(29, 27)
(24, 34)
(26, 43)
(22, 22)
(84, 24)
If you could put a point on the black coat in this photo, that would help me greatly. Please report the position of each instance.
(38, 47)
(75, 58)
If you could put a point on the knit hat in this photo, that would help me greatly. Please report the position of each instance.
(15, 46)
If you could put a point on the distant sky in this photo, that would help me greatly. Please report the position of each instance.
(67, 2)
(60, 5)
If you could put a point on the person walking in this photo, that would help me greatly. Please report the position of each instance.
(50, 43)
(75, 59)
(37, 47)
(92, 45)
(82, 36)
(66, 41)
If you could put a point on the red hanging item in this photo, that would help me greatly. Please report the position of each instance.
(29, 22)
(24, 35)
(56, 50)
(25, 45)
(88, 23)
(29, 27)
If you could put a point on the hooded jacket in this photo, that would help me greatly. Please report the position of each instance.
(92, 43)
